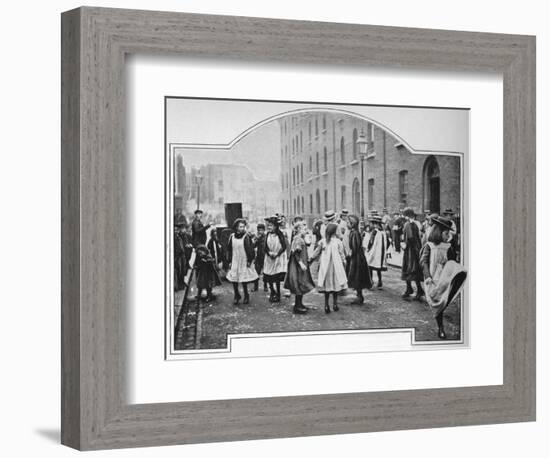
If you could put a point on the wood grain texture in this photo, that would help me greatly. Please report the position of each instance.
(95, 413)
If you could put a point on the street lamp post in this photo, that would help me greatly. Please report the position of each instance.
(198, 178)
(362, 145)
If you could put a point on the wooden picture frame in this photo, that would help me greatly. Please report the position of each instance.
(95, 413)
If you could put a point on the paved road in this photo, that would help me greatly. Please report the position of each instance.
(382, 309)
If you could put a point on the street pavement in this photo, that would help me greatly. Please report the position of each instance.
(382, 309)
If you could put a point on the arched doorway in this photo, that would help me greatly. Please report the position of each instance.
(356, 197)
(431, 180)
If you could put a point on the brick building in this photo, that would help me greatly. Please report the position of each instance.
(321, 169)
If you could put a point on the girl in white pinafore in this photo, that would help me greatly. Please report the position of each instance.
(332, 274)
(443, 276)
(240, 254)
(276, 259)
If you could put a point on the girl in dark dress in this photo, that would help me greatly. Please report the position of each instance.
(259, 246)
(298, 277)
(411, 270)
(207, 274)
(358, 271)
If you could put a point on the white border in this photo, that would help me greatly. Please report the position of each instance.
(299, 345)
(152, 379)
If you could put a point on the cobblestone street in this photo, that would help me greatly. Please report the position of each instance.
(207, 326)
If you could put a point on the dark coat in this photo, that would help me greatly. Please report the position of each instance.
(411, 270)
(297, 280)
(357, 271)
(207, 274)
(180, 262)
(199, 232)
(248, 248)
(259, 245)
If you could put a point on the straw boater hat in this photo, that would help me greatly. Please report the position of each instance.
(445, 223)
(449, 211)
(344, 212)
(375, 218)
(330, 216)
(426, 212)
(198, 211)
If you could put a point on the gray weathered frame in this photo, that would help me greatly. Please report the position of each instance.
(95, 413)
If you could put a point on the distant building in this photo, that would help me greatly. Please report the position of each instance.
(321, 169)
(233, 183)
(180, 186)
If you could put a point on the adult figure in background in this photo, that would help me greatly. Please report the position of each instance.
(411, 271)
(397, 230)
(180, 259)
(198, 229)
(357, 270)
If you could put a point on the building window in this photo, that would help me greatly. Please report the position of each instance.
(311, 204)
(318, 201)
(301, 141)
(302, 206)
(370, 185)
(302, 172)
(432, 192)
(324, 122)
(317, 162)
(316, 127)
(284, 207)
(356, 197)
(297, 144)
(354, 144)
(403, 186)
(326, 199)
(309, 130)
(310, 164)
(293, 176)
(371, 132)
(325, 159)
(343, 150)
(343, 196)
(294, 205)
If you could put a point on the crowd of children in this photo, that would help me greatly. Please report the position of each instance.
(338, 252)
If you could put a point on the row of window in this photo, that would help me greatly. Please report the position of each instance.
(297, 143)
(293, 122)
(316, 206)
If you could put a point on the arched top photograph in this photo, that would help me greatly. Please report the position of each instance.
(313, 217)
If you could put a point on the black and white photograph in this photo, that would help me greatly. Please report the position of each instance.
(296, 217)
